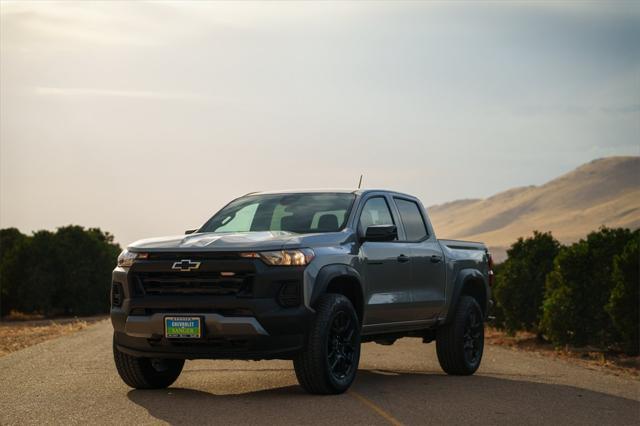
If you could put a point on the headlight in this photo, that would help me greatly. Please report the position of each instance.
(126, 258)
(298, 257)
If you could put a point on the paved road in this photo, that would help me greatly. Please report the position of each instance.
(73, 380)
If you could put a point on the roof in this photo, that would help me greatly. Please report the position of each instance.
(329, 190)
(299, 191)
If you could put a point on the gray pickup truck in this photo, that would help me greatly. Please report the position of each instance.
(300, 275)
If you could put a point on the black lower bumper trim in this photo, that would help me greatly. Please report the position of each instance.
(258, 348)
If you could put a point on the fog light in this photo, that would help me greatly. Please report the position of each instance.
(289, 295)
(117, 295)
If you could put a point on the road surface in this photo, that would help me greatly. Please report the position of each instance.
(73, 380)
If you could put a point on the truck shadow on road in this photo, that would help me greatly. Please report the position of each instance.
(411, 398)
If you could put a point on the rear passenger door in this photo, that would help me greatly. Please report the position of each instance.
(427, 261)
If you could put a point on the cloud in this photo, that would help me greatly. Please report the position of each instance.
(140, 94)
(51, 24)
(532, 110)
(622, 109)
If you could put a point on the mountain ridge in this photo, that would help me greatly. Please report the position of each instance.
(603, 192)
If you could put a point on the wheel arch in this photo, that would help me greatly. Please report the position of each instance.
(340, 279)
(472, 283)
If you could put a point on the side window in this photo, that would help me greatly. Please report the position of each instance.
(375, 212)
(414, 226)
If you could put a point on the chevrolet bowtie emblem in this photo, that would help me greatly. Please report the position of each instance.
(185, 265)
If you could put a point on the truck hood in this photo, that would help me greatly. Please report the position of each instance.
(250, 241)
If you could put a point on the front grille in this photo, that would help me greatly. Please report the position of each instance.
(199, 283)
(229, 312)
(194, 256)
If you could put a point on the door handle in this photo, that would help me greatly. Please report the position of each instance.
(435, 258)
(402, 258)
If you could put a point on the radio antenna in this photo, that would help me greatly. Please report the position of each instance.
(360, 182)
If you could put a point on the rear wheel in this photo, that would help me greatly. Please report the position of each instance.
(329, 363)
(460, 344)
(146, 373)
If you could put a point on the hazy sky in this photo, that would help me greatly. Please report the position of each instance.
(145, 118)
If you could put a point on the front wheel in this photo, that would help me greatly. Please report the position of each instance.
(329, 362)
(460, 343)
(146, 373)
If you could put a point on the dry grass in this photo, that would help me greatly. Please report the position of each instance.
(21, 316)
(592, 358)
(16, 335)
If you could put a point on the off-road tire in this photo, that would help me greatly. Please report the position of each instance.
(312, 365)
(452, 339)
(146, 373)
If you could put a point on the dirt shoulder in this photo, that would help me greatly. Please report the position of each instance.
(16, 335)
(592, 358)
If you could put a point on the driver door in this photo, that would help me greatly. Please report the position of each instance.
(386, 267)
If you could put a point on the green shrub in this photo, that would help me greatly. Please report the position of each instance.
(63, 272)
(40, 273)
(11, 241)
(497, 311)
(520, 282)
(625, 296)
(579, 287)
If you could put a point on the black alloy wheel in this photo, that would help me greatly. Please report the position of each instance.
(460, 342)
(473, 343)
(341, 351)
(328, 363)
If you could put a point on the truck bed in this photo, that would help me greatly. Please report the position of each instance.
(463, 245)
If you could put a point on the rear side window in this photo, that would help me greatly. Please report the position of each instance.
(414, 226)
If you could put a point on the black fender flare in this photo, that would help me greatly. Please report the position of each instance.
(464, 276)
(327, 274)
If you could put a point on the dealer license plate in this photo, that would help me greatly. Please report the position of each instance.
(182, 327)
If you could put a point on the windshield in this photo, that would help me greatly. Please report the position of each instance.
(300, 213)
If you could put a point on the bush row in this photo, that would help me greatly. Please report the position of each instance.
(67, 272)
(586, 293)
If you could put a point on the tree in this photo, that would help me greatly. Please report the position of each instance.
(520, 281)
(89, 258)
(625, 296)
(40, 265)
(497, 310)
(66, 272)
(10, 242)
(579, 287)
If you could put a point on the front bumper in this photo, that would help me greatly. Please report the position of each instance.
(240, 347)
(152, 326)
(239, 326)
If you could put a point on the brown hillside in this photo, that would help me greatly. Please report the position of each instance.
(602, 192)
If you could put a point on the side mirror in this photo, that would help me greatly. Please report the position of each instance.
(189, 231)
(381, 233)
